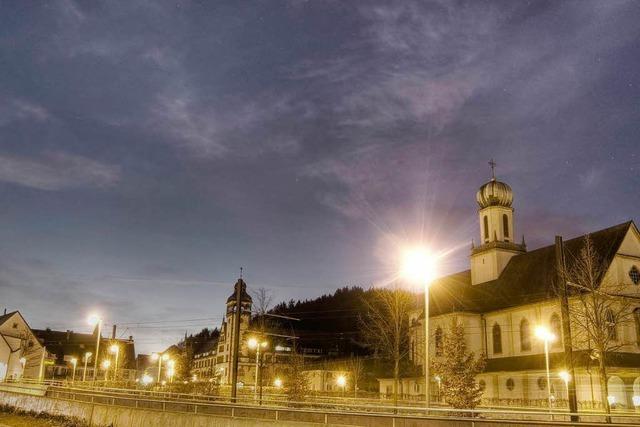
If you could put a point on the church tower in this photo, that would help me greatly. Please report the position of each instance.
(497, 232)
(233, 315)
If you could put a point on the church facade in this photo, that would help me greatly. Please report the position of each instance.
(508, 292)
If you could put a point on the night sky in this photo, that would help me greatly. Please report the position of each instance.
(148, 150)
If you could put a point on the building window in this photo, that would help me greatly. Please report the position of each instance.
(542, 383)
(486, 228)
(510, 384)
(482, 385)
(505, 225)
(556, 329)
(634, 275)
(525, 336)
(611, 325)
(497, 339)
(438, 341)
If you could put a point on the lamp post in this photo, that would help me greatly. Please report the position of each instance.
(23, 363)
(420, 266)
(171, 370)
(566, 377)
(95, 320)
(105, 365)
(159, 357)
(341, 381)
(87, 355)
(546, 336)
(74, 362)
(253, 343)
(115, 349)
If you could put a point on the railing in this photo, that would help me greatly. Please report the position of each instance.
(325, 412)
(344, 411)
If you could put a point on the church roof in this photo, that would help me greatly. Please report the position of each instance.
(527, 278)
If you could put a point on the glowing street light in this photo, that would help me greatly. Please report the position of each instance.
(95, 320)
(115, 349)
(171, 370)
(147, 379)
(160, 358)
(254, 343)
(419, 266)
(74, 362)
(277, 383)
(341, 381)
(23, 363)
(546, 336)
(105, 365)
(86, 357)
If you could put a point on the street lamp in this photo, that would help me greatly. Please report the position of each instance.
(171, 369)
(74, 362)
(159, 358)
(546, 336)
(341, 381)
(115, 349)
(23, 363)
(277, 383)
(253, 343)
(95, 320)
(105, 365)
(566, 377)
(87, 355)
(419, 266)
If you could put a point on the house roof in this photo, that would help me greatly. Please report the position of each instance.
(527, 278)
(207, 346)
(6, 317)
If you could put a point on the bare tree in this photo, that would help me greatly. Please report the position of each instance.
(386, 327)
(262, 299)
(355, 365)
(597, 309)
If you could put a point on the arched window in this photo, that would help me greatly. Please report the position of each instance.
(611, 325)
(510, 384)
(556, 329)
(497, 339)
(438, 341)
(486, 228)
(636, 318)
(525, 336)
(505, 225)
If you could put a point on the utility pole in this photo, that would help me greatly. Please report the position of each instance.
(561, 284)
(236, 340)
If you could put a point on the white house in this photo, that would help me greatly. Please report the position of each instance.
(20, 351)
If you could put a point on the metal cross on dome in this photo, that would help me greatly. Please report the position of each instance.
(492, 163)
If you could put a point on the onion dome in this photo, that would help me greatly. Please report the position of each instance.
(494, 193)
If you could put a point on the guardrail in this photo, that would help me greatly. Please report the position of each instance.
(350, 412)
(339, 413)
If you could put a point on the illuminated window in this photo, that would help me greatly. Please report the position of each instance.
(497, 339)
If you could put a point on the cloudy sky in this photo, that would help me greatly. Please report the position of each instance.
(148, 150)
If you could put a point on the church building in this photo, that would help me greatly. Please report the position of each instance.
(507, 292)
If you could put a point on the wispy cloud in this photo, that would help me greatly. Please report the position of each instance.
(57, 171)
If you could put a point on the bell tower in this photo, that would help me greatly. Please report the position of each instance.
(497, 233)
